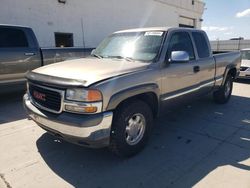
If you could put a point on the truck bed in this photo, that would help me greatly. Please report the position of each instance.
(226, 59)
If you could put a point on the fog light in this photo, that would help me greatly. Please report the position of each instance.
(81, 109)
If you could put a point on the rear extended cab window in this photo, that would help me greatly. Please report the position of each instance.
(201, 44)
(13, 38)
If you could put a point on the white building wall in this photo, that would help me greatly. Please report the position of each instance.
(229, 45)
(91, 20)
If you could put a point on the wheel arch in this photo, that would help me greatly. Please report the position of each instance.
(230, 70)
(147, 93)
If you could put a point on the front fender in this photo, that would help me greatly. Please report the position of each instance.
(117, 98)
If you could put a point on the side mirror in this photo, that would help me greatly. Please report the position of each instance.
(179, 57)
(92, 52)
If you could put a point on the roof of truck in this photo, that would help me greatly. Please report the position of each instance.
(153, 29)
(10, 25)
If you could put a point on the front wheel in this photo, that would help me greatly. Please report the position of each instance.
(131, 128)
(223, 95)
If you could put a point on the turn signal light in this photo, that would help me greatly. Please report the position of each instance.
(81, 109)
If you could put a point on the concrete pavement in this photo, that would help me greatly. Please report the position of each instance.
(199, 145)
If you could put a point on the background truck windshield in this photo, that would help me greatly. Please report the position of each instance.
(141, 46)
(246, 55)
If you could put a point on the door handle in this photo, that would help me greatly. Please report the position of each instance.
(196, 69)
(29, 54)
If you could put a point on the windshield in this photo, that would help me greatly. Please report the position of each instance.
(246, 55)
(141, 46)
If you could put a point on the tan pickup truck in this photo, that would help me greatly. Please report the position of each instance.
(111, 99)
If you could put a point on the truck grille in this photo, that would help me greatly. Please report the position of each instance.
(46, 98)
(243, 68)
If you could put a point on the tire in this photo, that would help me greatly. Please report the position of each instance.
(223, 95)
(127, 120)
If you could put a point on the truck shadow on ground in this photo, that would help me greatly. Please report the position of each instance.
(11, 107)
(243, 81)
(185, 147)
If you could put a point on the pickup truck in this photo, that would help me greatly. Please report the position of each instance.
(111, 99)
(245, 64)
(20, 53)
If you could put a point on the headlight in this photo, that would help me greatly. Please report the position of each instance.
(83, 95)
(86, 101)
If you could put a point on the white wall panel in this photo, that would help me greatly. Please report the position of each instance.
(99, 17)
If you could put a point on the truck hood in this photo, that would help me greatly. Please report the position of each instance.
(90, 70)
(245, 63)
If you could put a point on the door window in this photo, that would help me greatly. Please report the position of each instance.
(181, 41)
(12, 38)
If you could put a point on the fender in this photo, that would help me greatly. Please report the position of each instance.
(117, 98)
(228, 68)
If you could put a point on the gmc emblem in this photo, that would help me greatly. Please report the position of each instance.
(39, 96)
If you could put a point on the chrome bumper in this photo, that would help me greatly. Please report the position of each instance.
(245, 74)
(88, 130)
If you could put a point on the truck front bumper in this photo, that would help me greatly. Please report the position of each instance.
(87, 130)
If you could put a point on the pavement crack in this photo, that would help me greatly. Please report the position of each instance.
(5, 181)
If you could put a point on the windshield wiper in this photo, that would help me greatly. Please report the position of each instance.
(121, 57)
(96, 55)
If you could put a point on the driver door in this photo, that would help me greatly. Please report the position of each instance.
(180, 80)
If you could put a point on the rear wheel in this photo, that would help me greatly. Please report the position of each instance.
(223, 95)
(131, 128)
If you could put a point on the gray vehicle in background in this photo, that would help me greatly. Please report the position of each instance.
(20, 53)
(245, 64)
(134, 76)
